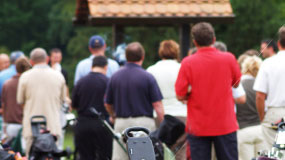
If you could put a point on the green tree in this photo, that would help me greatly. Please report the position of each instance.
(23, 24)
(254, 21)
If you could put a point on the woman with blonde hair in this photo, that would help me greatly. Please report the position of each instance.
(250, 138)
(165, 72)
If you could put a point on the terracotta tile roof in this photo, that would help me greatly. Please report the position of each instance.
(108, 12)
(159, 8)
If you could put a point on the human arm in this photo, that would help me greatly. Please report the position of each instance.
(111, 112)
(239, 95)
(158, 107)
(260, 104)
(182, 85)
(240, 100)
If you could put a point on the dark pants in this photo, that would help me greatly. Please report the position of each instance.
(225, 146)
(92, 140)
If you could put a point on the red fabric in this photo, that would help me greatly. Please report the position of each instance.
(211, 74)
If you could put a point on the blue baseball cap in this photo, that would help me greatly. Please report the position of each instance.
(96, 42)
(15, 55)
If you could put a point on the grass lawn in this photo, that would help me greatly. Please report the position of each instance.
(69, 139)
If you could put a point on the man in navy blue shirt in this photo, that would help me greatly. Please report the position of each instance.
(92, 140)
(132, 95)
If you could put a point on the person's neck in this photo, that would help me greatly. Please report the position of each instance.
(53, 63)
(138, 63)
(98, 53)
(40, 63)
(201, 47)
(98, 70)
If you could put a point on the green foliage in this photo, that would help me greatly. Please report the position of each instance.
(255, 20)
(24, 24)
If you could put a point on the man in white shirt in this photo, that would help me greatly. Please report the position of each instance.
(270, 86)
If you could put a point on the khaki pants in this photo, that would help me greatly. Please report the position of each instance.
(28, 142)
(250, 141)
(272, 115)
(121, 124)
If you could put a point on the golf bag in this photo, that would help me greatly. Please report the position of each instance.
(139, 147)
(44, 143)
(277, 152)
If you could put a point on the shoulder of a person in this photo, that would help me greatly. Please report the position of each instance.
(269, 60)
(151, 68)
(82, 62)
(113, 62)
(5, 72)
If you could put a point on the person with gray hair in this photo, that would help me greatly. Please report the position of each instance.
(221, 46)
(41, 91)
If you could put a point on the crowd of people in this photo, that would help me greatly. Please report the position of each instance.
(227, 104)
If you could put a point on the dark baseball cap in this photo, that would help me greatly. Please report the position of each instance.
(96, 42)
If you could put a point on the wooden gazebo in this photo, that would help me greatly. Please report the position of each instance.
(122, 13)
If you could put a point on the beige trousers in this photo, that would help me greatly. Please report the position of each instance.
(121, 124)
(272, 115)
(28, 143)
(250, 141)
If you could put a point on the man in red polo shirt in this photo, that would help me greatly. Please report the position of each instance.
(204, 81)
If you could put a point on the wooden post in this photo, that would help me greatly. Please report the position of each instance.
(184, 36)
(118, 35)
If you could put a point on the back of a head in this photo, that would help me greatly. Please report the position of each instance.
(15, 55)
(251, 65)
(96, 42)
(220, 46)
(38, 55)
(203, 33)
(168, 49)
(270, 43)
(251, 52)
(22, 65)
(282, 36)
(134, 52)
(247, 53)
(99, 61)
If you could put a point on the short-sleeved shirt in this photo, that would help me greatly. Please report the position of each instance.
(271, 80)
(211, 75)
(89, 92)
(13, 112)
(42, 91)
(132, 91)
(85, 65)
(165, 72)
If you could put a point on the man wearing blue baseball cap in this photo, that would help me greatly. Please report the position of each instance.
(97, 47)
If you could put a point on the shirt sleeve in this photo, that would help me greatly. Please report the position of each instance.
(155, 94)
(238, 92)
(21, 91)
(109, 95)
(182, 82)
(261, 81)
(77, 74)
